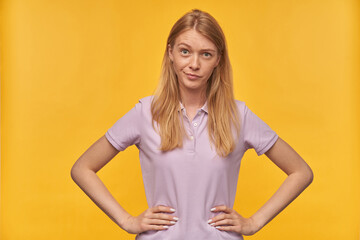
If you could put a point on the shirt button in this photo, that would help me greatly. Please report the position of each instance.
(195, 124)
(192, 137)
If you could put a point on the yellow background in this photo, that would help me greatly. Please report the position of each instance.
(70, 69)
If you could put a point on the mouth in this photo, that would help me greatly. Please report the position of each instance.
(192, 76)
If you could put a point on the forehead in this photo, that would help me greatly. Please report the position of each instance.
(195, 40)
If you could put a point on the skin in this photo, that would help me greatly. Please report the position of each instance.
(195, 54)
(84, 175)
(191, 58)
(299, 177)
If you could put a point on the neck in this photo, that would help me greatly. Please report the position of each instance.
(193, 99)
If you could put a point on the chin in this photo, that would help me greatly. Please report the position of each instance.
(192, 86)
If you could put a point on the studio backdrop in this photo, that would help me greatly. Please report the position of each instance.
(70, 69)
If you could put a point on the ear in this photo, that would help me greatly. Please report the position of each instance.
(170, 53)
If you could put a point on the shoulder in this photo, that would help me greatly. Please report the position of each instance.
(144, 105)
(241, 105)
(239, 102)
(146, 100)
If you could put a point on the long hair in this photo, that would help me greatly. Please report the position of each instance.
(222, 109)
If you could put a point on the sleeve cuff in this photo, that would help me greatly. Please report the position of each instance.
(269, 145)
(112, 141)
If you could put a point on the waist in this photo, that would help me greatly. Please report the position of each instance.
(189, 230)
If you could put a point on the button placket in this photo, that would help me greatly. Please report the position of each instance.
(191, 132)
(190, 143)
(193, 126)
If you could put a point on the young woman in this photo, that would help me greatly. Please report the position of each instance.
(191, 135)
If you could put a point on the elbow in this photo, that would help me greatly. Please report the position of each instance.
(305, 176)
(75, 172)
(308, 176)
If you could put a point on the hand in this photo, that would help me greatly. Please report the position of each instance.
(233, 221)
(150, 219)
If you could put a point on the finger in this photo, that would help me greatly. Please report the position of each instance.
(223, 222)
(163, 216)
(222, 208)
(161, 222)
(219, 218)
(158, 227)
(226, 228)
(161, 208)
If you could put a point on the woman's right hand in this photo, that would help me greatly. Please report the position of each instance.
(151, 219)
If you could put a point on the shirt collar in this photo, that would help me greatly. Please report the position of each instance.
(204, 107)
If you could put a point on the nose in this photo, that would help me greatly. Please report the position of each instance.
(194, 62)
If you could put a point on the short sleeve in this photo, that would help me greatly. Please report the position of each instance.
(257, 134)
(126, 131)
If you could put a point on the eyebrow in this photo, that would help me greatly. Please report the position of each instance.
(208, 49)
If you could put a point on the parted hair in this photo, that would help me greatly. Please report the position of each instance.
(223, 115)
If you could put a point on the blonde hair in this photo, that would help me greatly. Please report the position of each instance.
(222, 109)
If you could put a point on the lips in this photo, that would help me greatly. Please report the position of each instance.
(192, 75)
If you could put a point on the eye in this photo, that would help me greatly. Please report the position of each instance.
(207, 54)
(184, 51)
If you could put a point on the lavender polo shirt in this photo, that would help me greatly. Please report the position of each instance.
(191, 179)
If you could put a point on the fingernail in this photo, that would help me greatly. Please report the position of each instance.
(173, 210)
(212, 224)
(212, 209)
(166, 226)
(172, 222)
(176, 218)
(210, 220)
(217, 227)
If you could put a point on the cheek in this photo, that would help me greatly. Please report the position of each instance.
(212, 67)
(209, 69)
(181, 62)
(178, 67)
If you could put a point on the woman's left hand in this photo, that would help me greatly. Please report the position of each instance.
(233, 221)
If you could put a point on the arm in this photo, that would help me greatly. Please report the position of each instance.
(84, 175)
(299, 177)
